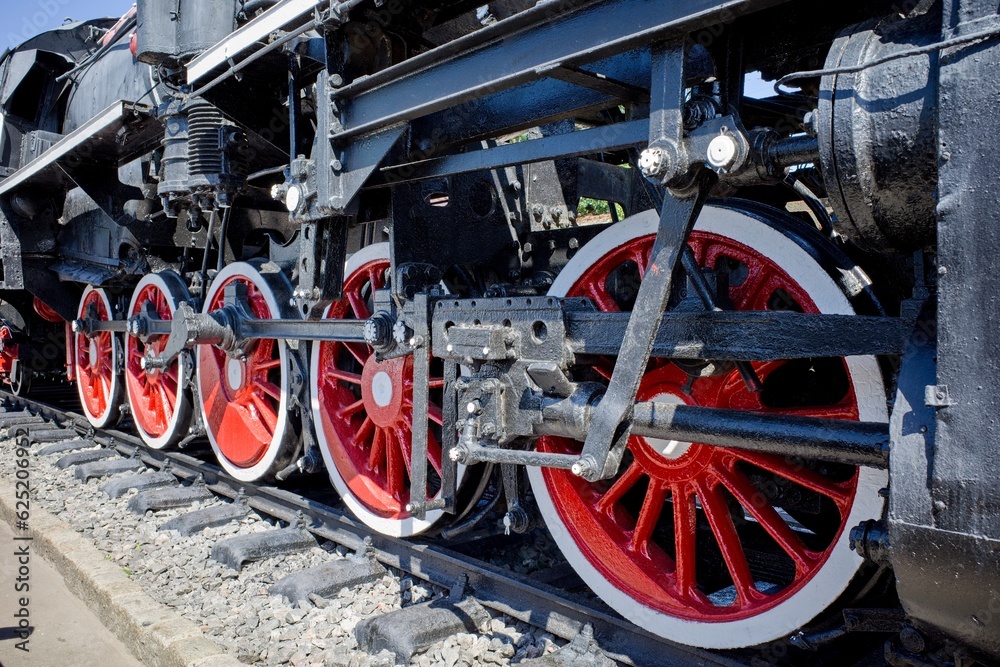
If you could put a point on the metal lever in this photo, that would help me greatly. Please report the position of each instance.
(610, 429)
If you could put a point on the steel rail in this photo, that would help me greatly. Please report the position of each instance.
(532, 602)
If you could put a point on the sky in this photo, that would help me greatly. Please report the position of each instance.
(26, 18)
(23, 19)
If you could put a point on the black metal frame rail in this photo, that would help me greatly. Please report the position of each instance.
(507, 592)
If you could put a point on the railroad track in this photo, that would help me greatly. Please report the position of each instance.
(470, 580)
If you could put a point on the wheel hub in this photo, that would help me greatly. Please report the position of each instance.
(93, 355)
(671, 450)
(235, 374)
(669, 461)
(383, 386)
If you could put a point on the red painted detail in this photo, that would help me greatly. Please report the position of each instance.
(8, 350)
(70, 354)
(113, 32)
(645, 529)
(45, 312)
(153, 393)
(95, 361)
(133, 45)
(369, 429)
(243, 419)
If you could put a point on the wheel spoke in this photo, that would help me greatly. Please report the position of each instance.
(839, 492)
(267, 364)
(167, 404)
(405, 442)
(266, 413)
(435, 415)
(358, 305)
(621, 486)
(641, 259)
(270, 389)
(351, 409)
(358, 351)
(334, 374)
(395, 478)
(649, 516)
(377, 453)
(721, 522)
(376, 278)
(601, 298)
(364, 433)
(685, 542)
(756, 503)
(434, 454)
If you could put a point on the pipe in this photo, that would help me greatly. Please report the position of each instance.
(251, 7)
(834, 440)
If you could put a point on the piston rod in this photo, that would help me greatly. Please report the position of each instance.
(810, 438)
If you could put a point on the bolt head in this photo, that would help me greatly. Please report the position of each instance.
(474, 407)
(651, 162)
(722, 151)
(455, 455)
(580, 468)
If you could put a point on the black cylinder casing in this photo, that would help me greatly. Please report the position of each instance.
(175, 30)
(878, 134)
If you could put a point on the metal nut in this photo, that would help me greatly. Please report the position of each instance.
(722, 151)
(651, 162)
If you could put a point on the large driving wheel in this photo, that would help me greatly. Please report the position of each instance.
(706, 546)
(245, 400)
(363, 411)
(98, 359)
(160, 399)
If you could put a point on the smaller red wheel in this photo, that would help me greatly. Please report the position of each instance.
(160, 399)
(97, 360)
(363, 411)
(244, 400)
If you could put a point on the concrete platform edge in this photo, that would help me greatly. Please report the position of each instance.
(155, 634)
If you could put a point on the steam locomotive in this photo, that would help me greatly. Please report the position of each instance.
(738, 353)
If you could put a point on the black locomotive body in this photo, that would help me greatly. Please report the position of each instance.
(738, 353)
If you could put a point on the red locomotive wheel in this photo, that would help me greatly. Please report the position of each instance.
(244, 401)
(707, 546)
(97, 362)
(160, 399)
(363, 410)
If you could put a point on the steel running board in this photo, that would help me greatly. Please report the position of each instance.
(96, 140)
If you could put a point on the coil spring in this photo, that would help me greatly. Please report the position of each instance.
(205, 141)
